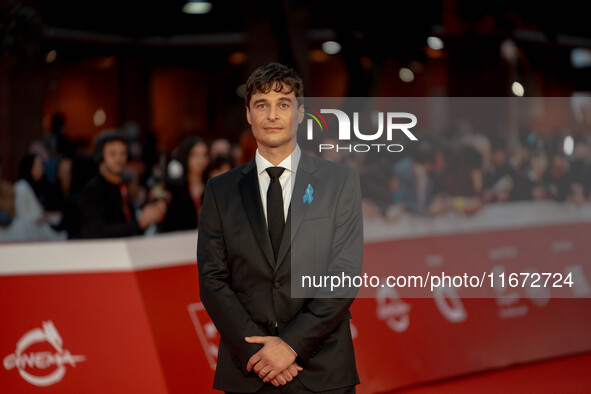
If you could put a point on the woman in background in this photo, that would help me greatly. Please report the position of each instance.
(31, 221)
(187, 191)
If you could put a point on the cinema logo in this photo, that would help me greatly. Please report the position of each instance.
(390, 121)
(50, 366)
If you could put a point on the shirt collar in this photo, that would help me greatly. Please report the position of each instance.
(290, 163)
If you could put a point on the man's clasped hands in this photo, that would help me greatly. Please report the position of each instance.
(274, 362)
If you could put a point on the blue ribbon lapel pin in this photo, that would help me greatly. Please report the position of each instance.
(308, 195)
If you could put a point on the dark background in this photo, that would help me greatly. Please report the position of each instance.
(175, 74)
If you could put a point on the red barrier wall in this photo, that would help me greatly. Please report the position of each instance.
(134, 323)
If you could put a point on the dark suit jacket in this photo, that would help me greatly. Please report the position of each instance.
(247, 293)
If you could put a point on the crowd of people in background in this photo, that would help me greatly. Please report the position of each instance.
(123, 186)
(126, 187)
(463, 173)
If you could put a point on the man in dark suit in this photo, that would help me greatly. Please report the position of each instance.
(263, 225)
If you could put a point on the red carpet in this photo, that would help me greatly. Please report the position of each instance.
(570, 374)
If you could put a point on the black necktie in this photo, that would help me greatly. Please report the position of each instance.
(275, 218)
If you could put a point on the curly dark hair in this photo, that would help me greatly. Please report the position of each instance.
(277, 77)
(103, 139)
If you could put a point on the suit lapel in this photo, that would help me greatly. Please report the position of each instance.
(251, 197)
(297, 208)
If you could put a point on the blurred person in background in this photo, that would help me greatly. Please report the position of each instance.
(135, 163)
(558, 180)
(49, 159)
(56, 141)
(38, 147)
(64, 176)
(532, 183)
(483, 146)
(578, 181)
(187, 191)
(580, 170)
(56, 194)
(217, 166)
(379, 187)
(463, 180)
(520, 153)
(62, 200)
(499, 178)
(6, 201)
(138, 195)
(416, 179)
(149, 152)
(236, 153)
(106, 207)
(56, 147)
(82, 171)
(219, 147)
(31, 221)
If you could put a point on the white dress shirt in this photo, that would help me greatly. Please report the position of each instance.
(287, 178)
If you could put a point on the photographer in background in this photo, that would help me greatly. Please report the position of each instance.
(105, 206)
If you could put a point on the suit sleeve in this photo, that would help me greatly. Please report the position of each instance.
(323, 314)
(221, 302)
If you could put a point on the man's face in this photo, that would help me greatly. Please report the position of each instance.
(115, 157)
(270, 115)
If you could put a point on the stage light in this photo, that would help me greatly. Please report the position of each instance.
(51, 56)
(517, 89)
(568, 146)
(197, 7)
(406, 74)
(237, 58)
(100, 117)
(175, 169)
(331, 47)
(509, 51)
(580, 57)
(435, 43)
